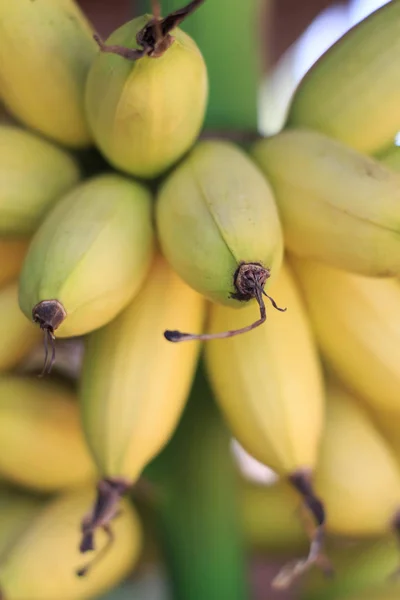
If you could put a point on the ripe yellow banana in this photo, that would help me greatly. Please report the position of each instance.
(336, 205)
(134, 384)
(17, 509)
(17, 335)
(34, 173)
(357, 475)
(41, 564)
(12, 254)
(391, 158)
(46, 49)
(356, 322)
(146, 110)
(218, 225)
(89, 257)
(352, 93)
(41, 441)
(269, 386)
(388, 423)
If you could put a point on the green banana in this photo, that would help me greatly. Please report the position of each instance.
(46, 49)
(146, 106)
(33, 174)
(134, 384)
(41, 564)
(218, 226)
(356, 325)
(41, 441)
(352, 93)
(89, 257)
(269, 386)
(12, 254)
(17, 335)
(336, 205)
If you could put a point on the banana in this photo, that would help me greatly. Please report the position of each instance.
(46, 49)
(12, 254)
(34, 173)
(388, 423)
(17, 509)
(41, 564)
(89, 257)
(134, 385)
(336, 205)
(357, 328)
(357, 475)
(352, 93)
(17, 335)
(269, 387)
(146, 106)
(391, 158)
(41, 441)
(219, 228)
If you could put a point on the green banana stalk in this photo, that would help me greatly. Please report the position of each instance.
(46, 49)
(34, 173)
(352, 93)
(146, 95)
(336, 205)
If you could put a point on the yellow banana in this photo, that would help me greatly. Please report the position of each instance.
(17, 335)
(134, 384)
(218, 225)
(46, 49)
(34, 173)
(89, 257)
(357, 475)
(357, 328)
(391, 158)
(12, 254)
(17, 510)
(146, 107)
(42, 562)
(388, 423)
(352, 93)
(41, 442)
(336, 205)
(269, 386)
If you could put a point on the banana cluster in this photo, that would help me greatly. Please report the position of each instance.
(173, 241)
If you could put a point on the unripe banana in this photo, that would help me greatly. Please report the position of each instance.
(218, 225)
(46, 49)
(41, 442)
(269, 386)
(357, 475)
(12, 254)
(89, 257)
(134, 384)
(356, 322)
(146, 111)
(352, 93)
(33, 174)
(336, 205)
(17, 335)
(42, 562)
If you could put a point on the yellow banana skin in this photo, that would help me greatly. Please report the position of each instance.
(336, 205)
(391, 158)
(17, 509)
(42, 562)
(17, 335)
(41, 441)
(352, 93)
(145, 114)
(34, 173)
(134, 383)
(357, 475)
(215, 212)
(94, 272)
(268, 383)
(356, 326)
(12, 254)
(46, 49)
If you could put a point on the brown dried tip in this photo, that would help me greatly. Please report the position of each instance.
(48, 314)
(154, 38)
(105, 510)
(249, 281)
(301, 481)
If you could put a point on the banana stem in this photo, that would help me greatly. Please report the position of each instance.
(198, 509)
